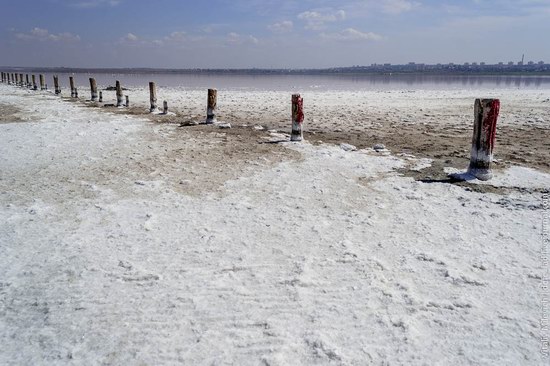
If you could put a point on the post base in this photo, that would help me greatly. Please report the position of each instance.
(483, 174)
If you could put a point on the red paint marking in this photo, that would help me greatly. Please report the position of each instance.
(490, 125)
(297, 108)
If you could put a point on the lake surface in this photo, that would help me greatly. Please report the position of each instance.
(311, 82)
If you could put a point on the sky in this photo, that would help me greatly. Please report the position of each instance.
(270, 33)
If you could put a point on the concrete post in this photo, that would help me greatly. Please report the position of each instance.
(153, 96)
(93, 89)
(56, 85)
(71, 83)
(119, 97)
(297, 118)
(212, 104)
(485, 130)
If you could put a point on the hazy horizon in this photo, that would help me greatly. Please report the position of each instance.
(269, 34)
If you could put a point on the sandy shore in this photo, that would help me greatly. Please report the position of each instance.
(431, 124)
(127, 239)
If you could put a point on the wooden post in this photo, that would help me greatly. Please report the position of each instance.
(21, 80)
(16, 79)
(297, 118)
(34, 86)
(100, 97)
(127, 101)
(56, 85)
(42, 83)
(27, 82)
(71, 83)
(118, 94)
(75, 92)
(212, 103)
(93, 89)
(153, 96)
(485, 131)
(165, 107)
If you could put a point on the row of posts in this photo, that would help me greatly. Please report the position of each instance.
(486, 112)
(212, 101)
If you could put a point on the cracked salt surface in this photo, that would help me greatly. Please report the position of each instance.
(332, 258)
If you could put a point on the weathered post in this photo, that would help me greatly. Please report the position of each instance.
(153, 96)
(21, 80)
(485, 131)
(118, 94)
(100, 96)
(12, 78)
(27, 82)
(2, 76)
(16, 79)
(42, 83)
(127, 101)
(71, 85)
(165, 107)
(34, 86)
(93, 89)
(56, 85)
(75, 92)
(211, 106)
(297, 118)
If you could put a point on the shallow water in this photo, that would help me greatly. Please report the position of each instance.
(312, 82)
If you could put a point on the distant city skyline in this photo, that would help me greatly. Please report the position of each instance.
(270, 33)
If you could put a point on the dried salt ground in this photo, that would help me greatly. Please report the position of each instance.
(331, 258)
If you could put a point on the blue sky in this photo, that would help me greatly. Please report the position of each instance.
(269, 33)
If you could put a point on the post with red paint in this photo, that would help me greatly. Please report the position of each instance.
(483, 142)
(212, 104)
(297, 118)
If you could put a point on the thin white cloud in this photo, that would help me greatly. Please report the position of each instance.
(94, 3)
(41, 34)
(351, 34)
(399, 6)
(130, 37)
(281, 27)
(238, 39)
(316, 20)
